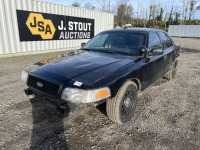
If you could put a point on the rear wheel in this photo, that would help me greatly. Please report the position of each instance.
(172, 72)
(121, 108)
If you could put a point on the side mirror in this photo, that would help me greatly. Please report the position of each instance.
(157, 52)
(143, 50)
(82, 45)
(145, 53)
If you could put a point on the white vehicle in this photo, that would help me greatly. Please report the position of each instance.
(127, 26)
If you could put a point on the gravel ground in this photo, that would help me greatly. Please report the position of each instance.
(167, 115)
(189, 43)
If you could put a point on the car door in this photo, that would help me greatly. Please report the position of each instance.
(155, 64)
(168, 48)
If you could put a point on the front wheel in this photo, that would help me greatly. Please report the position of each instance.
(121, 108)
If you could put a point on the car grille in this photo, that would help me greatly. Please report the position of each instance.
(43, 86)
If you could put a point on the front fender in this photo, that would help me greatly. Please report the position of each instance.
(117, 80)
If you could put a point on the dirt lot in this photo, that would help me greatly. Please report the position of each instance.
(167, 116)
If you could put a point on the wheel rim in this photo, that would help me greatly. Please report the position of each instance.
(127, 103)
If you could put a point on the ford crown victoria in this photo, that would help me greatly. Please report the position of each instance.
(113, 67)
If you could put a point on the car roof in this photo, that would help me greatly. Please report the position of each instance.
(134, 30)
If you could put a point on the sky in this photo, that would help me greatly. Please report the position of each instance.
(69, 2)
(94, 2)
(142, 3)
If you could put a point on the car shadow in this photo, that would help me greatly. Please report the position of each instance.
(102, 109)
(48, 126)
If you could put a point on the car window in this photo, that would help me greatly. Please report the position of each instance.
(154, 40)
(99, 42)
(121, 42)
(170, 42)
(166, 41)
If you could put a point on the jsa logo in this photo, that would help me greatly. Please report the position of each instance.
(40, 26)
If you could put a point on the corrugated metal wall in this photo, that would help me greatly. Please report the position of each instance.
(185, 30)
(9, 34)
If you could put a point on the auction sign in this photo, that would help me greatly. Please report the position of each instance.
(36, 26)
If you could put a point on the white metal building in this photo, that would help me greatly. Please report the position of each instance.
(31, 25)
(192, 31)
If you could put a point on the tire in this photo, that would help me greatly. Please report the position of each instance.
(120, 109)
(172, 72)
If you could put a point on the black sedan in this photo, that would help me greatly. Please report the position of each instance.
(113, 67)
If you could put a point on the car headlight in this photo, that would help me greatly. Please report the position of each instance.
(85, 96)
(24, 76)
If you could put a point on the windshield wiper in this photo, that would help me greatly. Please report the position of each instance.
(118, 53)
(87, 49)
(113, 52)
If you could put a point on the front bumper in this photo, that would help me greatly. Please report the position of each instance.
(59, 102)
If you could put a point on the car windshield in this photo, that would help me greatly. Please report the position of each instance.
(127, 43)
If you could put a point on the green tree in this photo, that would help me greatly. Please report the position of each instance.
(176, 18)
(170, 20)
(89, 6)
(76, 4)
(160, 17)
(124, 13)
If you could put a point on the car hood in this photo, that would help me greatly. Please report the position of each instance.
(83, 66)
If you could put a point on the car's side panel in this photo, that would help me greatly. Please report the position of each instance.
(168, 52)
(155, 63)
(155, 68)
(169, 49)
